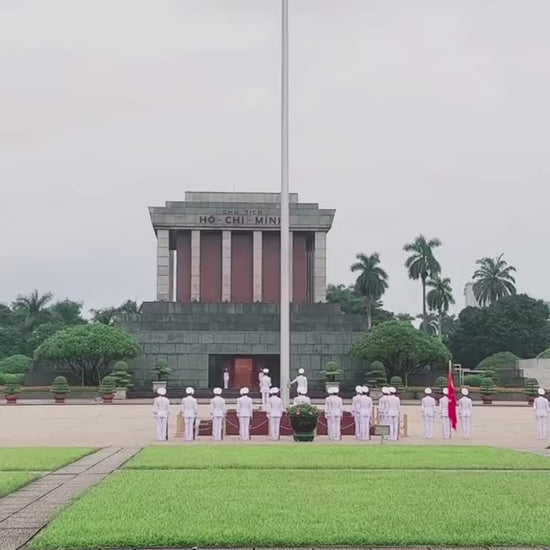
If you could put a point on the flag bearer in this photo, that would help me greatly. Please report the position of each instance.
(393, 411)
(444, 413)
(542, 409)
(301, 399)
(333, 413)
(265, 384)
(428, 413)
(161, 412)
(245, 407)
(465, 413)
(365, 414)
(275, 411)
(217, 412)
(189, 410)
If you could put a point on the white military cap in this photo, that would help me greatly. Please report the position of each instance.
(365, 389)
(189, 390)
(274, 390)
(161, 391)
(217, 391)
(301, 371)
(385, 390)
(358, 389)
(333, 389)
(265, 371)
(392, 390)
(445, 391)
(244, 391)
(464, 391)
(541, 391)
(428, 391)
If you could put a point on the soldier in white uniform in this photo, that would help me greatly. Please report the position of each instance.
(225, 379)
(382, 406)
(245, 408)
(161, 412)
(365, 414)
(541, 409)
(355, 410)
(333, 413)
(444, 413)
(465, 413)
(301, 399)
(217, 412)
(265, 384)
(189, 411)
(393, 410)
(301, 382)
(428, 413)
(275, 411)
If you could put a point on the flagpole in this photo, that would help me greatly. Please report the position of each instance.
(285, 215)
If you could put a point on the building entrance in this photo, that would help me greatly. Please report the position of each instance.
(237, 371)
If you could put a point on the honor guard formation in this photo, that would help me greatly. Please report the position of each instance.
(362, 411)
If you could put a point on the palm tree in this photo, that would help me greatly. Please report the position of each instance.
(371, 282)
(494, 280)
(422, 265)
(33, 307)
(440, 298)
(432, 325)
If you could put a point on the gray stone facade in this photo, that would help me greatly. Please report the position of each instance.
(186, 334)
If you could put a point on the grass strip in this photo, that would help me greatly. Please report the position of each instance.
(11, 481)
(302, 456)
(270, 508)
(39, 459)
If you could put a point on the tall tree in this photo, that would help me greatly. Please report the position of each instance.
(440, 298)
(68, 312)
(371, 282)
(422, 264)
(493, 280)
(33, 307)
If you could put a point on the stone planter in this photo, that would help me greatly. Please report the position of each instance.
(59, 397)
(304, 427)
(121, 393)
(332, 385)
(158, 384)
(530, 401)
(11, 399)
(487, 399)
(107, 398)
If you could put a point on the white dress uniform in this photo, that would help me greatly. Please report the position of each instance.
(428, 407)
(365, 414)
(161, 412)
(333, 413)
(444, 413)
(541, 408)
(301, 382)
(382, 406)
(393, 411)
(217, 411)
(225, 379)
(275, 411)
(355, 410)
(465, 413)
(301, 399)
(265, 385)
(245, 411)
(189, 411)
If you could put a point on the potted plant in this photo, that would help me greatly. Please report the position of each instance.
(487, 389)
(303, 419)
(530, 389)
(161, 372)
(12, 388)
(122, 377)
(331, 371)
(107, 389)
(60, 389)
(397, 383)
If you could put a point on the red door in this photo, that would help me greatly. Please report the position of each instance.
(243, 371)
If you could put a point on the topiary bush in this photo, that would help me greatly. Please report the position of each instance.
(121, 374)
(530, 387)
(15, 364)
(487, 386)
(108, 385)
(441, 382)
(397, 383)
(12, 386)
(331, 371)
(472, 380)
(375, 375)
(60, 385)
(162, 371)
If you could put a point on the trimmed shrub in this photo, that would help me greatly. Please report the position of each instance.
(473, 380)
(162, 371)
(15, 364)
(59, 385)
(441, 382)
(121, 374)
(497, 361)
(12, 384)
(397, 383)
(108, 385)
(375, 375)
(530, 387)
(487, 386)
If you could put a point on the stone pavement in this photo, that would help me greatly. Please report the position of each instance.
(26, 511)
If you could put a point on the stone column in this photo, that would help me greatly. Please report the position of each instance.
(291, 265)
(226, 266)
(195, 265)
(171, 264)
(163, 265)
(320, 268)
(257, 266)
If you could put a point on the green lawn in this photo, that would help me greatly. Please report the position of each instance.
(10, 481)
(38, 459)
(342, 457)
(306, 508)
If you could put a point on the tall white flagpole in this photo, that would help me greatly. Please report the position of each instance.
(285, 215)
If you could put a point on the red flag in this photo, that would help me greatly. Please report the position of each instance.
(452, 397)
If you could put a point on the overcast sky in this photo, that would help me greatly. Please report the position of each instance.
(408, 117)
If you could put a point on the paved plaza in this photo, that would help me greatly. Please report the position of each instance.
(132, 425)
